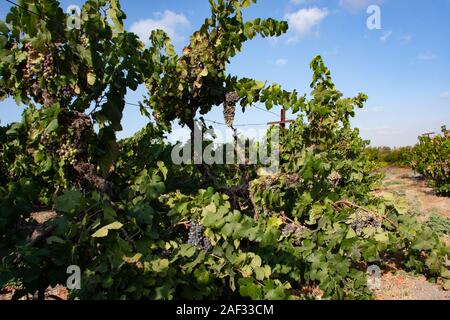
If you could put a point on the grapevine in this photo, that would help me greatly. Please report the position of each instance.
(141, 227)
(430, 157)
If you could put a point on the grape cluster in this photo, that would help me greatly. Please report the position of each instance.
(49, 71)
(48, 99)
(33, 59)
(207, 244)
(229, 107)
(334, 178)
(364, 220)
(295, 231)
(45, 139)
(68, 153)
(231, 98)
(229, 112)
(196, 238)
(67, 92)
(289, 229)
(290, 180)
(39, 63)
(84, 41)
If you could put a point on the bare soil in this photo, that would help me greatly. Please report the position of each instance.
(414, 188)
(404, 286)
(424, 203)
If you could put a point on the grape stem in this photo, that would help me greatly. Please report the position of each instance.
(186, 224)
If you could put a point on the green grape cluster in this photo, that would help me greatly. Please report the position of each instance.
(68, 153)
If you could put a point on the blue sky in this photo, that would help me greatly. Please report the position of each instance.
(404, 67)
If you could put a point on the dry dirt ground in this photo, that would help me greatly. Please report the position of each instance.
(424, 203)
(405, 183)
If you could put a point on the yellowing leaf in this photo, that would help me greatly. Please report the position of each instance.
(100, 233)
(91, 78)
(210, 208)
(103, 232)
(274, 222)
(132, 259)
(114, 226)
(204, 72)
(382, 237)
(350, 234)
(446, 285)
(197, 85)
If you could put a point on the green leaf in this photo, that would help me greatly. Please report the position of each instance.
(116, 16)
(69, 202)
(256, 262)
(52, 126)
(259, 273)
(3, 28)
(249, 289)
(382, 237)
(54, 239)
(163, 169)
(350, 234)
(246, 3)
(187, 250)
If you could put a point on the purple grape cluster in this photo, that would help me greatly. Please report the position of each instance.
(364, 220)
(67, 92)
(289, 229)
(32, 57)
(196, 238)
(294, 232)
(207, 245)
(48, 66)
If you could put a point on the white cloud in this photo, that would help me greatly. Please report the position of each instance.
(385, 36)
(427, 56)
(355, 4)
(406, 39)
(171, 22)
(303, 21)
(281, 62)
(445, 94)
